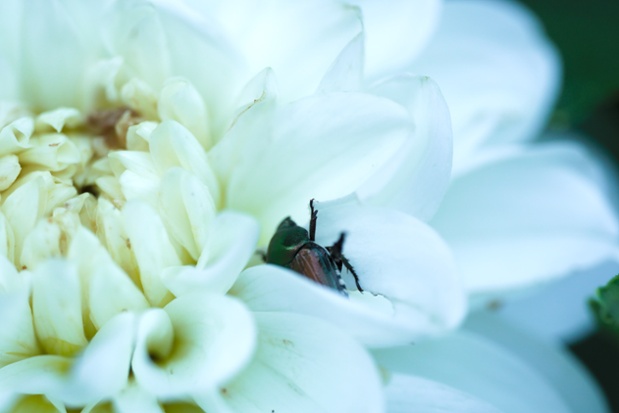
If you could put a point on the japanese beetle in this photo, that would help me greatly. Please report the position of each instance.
(294, 247)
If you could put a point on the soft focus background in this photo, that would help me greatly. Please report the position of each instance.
(587, 35)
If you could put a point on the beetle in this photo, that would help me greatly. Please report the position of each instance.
(292, 246)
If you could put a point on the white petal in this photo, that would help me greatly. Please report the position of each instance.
(152, 248)
(171, 144)
(65, 62)
(527, 216)
(180, 101)
(396, 32)
(102, 370)
(200, 51)
(15, 136)
(571, 379)
(346, 72)
(17, 337)
(478, 367)
(302, 151)
(398, 257)
(507, 73)
(302, 365)
(135, 399)
(44, 374)
(187, 208)
(230, 244)
(368, 318)
(407, 394)
(416, 179)
(135, 32)
(196, 342)
(108, 291)
(56, 308)
(9, 170)
(299, 40)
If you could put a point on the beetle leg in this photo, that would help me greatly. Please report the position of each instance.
(313, 219)
(336, 252)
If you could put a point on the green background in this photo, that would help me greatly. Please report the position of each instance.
(587, 35)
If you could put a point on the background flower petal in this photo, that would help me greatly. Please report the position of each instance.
(522, 204)
(478, 367)
(511, 72)
(559, 367)
(406, 394)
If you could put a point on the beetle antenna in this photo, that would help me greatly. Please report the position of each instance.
(313, 219)
(336, 252)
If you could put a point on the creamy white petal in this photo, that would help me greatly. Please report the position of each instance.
(181, 102)
(17, 336)
(171, 144)
(152, 248)
(302, 151)
(557, 365)
(230, 244)
(416, 179)
(9, 170)
(325, 371)
(187, 208)
(64, 61)
(196, 342)
(57, 119)
(513, 221)
(41, 374)
(396, 33)
(407, 393)
(107, 290)
(56, 308)
(135, 399)
(102, 370)
(15, 136)
(511, 72)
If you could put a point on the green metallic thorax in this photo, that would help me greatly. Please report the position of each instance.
(287, 240)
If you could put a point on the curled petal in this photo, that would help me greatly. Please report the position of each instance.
(102, 369)
(196, 342)
(230, 244)
(188, 209)
(171, 144)
(292, 370)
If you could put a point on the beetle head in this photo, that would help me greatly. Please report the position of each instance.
(288, 238)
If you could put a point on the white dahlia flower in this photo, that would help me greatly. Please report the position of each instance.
(148, 152)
